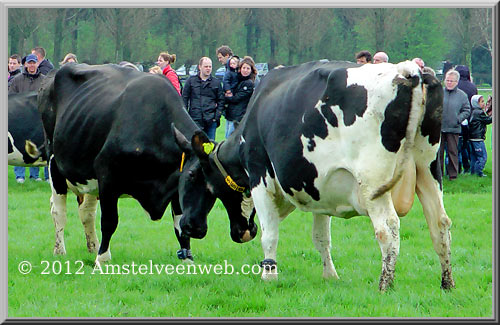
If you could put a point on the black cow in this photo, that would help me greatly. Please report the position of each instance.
(336, 139)
(24, 123)
(108, 135)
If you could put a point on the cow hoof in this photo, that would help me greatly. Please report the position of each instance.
(270, 275)
(58, 250)
(184, 254)
(187, 261)
(330, 275)
(103, 258)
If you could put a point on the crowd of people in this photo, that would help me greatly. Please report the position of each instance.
(465, 113)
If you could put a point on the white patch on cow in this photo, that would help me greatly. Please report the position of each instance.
(92, 187)
(210, 188)
(177, 226)
(242, 140)
(352, 157)
(247, 206)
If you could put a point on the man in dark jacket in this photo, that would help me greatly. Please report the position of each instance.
(204, 98)
(465, 84)
(478, 121)
(30, 79)
(456, 109)
(45, 65)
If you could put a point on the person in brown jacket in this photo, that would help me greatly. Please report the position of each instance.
(30, 79)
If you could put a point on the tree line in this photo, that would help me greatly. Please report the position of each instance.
(276, 35)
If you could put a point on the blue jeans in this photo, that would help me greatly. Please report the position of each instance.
(21, 171)
(478, 157)
(210, 129)
(34, 172)
(229, 128)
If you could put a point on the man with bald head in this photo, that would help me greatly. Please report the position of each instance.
(380, 57)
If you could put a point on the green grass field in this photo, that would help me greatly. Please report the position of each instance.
(300, 290)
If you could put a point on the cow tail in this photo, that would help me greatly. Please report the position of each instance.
(414, 120)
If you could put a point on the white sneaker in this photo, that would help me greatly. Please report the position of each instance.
(38, 179)
(20, 180)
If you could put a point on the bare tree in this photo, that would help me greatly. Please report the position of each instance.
(25, 22)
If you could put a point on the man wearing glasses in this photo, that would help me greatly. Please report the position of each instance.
(456, 109)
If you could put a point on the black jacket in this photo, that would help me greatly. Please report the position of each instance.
(12, 74)
(237, 104)
(45, 66)
(204, 100)
(477, 124)
(464, 82)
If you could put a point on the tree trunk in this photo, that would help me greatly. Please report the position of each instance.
(379, 29)
(95, 40)
(74, 38)
(272, 47)
(118, 37)
(58, 34)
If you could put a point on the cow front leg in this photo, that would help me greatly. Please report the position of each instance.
(58, 212)
(109, 222)
(87, 212)
(322, 241)
(184, 253)
(269, 219)
(439, 223)
(386, 225)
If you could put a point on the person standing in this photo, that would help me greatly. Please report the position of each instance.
(238, 100)
(464, 148)
(164, 61)
(44, 65)
(29, 80)
(456, 109)
(14, 66)
(477, 129)
(70, 57)
(204, 98)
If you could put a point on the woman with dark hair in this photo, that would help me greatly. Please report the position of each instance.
(238, 100)
(164, 61)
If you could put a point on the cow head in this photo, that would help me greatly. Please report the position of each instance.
(235, 198)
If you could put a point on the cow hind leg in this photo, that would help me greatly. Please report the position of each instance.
(386, 225)
(322, 241)
(109, 222)
(87, 205)
(438, 221)
(58, 212)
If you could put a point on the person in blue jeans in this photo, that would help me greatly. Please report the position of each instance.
(477, 130)
(20, 173)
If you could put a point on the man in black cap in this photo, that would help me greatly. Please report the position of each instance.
(30, 79)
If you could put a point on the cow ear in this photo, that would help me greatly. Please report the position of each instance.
(180, 139)
(202, 145)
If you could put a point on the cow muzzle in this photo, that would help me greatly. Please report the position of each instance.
(193, 230)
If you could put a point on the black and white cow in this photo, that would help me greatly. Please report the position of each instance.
(337, 139)
(108, 131)
(24, 123)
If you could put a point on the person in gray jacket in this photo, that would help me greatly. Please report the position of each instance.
(456, 109)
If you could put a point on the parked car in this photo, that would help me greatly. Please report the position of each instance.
(219, 74)
(262, 69)
(193, 70)
(181, 71)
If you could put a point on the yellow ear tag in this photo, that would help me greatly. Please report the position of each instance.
(208, 147)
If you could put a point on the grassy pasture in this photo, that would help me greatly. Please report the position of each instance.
(300, 290)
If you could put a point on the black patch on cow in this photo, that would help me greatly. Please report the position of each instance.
(436, 172)
(431, 124)
(396, 116)
(352, 100)
(330, 116)
(11, 149)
